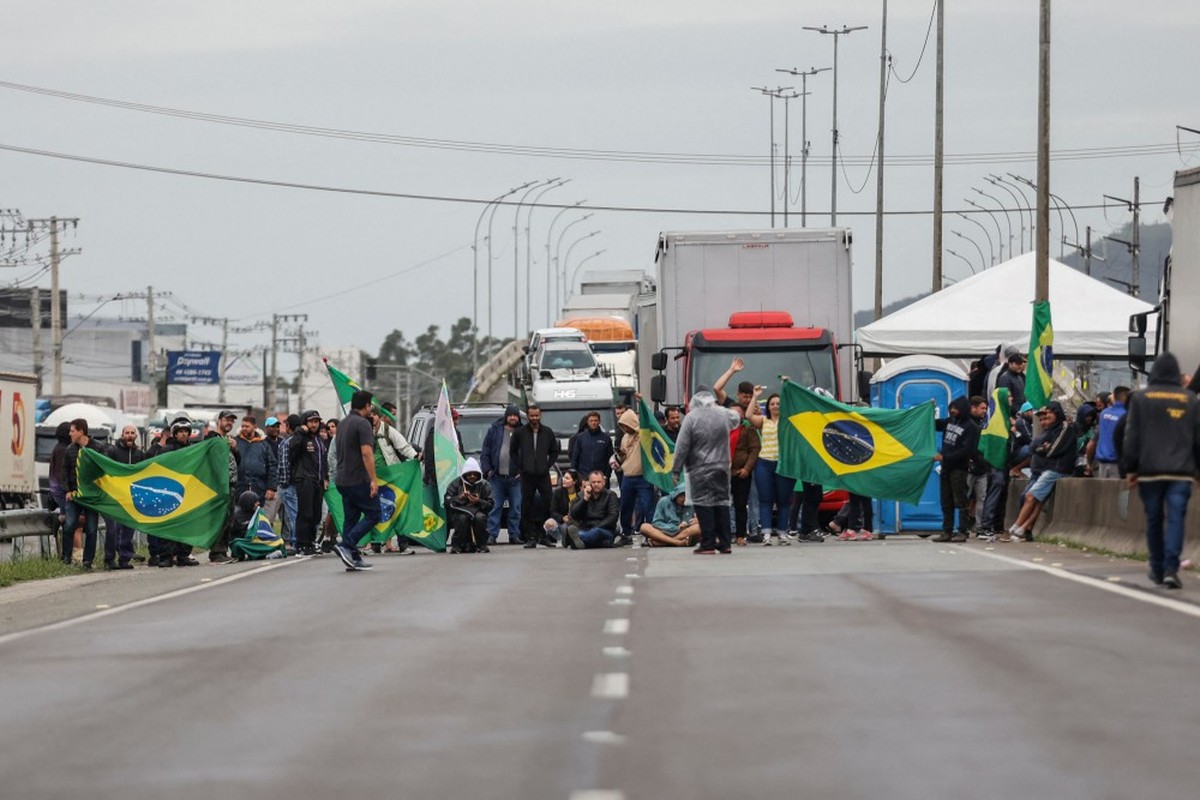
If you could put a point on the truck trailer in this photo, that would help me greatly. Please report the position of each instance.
(779, 299)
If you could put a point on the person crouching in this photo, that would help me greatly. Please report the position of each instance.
(468, 501)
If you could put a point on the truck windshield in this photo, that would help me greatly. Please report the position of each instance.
(763, 367)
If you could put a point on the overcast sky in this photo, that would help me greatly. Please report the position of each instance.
(648, 77)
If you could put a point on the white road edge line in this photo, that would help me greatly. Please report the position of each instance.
(1099, 583)
(611, 685)
(68, 623)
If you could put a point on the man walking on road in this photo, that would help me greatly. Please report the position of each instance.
(356, 479)
(702, 449)
(1161, 455)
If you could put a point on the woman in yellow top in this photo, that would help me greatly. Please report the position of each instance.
(774, 490)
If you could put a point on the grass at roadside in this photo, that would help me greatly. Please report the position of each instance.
(34, 569)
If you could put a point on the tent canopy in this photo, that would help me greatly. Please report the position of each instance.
(968, 319)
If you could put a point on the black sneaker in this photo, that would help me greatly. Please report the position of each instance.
(755, 538)
(1171, 581)
(122, 565)
(958, 538)
(530, 545)
(1156, 579)
(483, 548)
(811, 536)
(622, 541)
(943, 537)
(186, 561)
(218, 558)
(362, 566)
(327, 545)
(164, 561)
(344, 555)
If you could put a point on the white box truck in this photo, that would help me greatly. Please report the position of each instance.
(779, 299)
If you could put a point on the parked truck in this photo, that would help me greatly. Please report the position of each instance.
(778, 299)
(1174, 325)
(20, 514)
(613, 342)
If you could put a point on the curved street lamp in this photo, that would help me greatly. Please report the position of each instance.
(996, 222)
(1029, 206)
(994, 180)
(529, 247)
(567, 258)
(1007, 219)
(557, 249)
(978, 249)
(965, 260)
(982, 227)
(517, 254)
(551, 273)
(475, 256)
(575, 272)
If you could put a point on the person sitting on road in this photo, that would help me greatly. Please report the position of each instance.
(561, 500)
(595, 513)
(468, 501)
(675, 523)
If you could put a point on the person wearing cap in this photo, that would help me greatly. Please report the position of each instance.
(1020, 434)
(501, 474)
(273, 440)
(1161, 456)
(287, 487)
(309, 467)
(1009, 374)
(356, 480)
(173, 554)
(1053, 457)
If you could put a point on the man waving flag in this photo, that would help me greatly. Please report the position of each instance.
(874, 452)
(1039, 385)
(658, 451)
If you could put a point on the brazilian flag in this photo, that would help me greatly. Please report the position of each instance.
(182, 496)
(432, 532)
(993, 441)
(399, 502)
(876, 452)
(658, 451)
(258, 541)
(345, 386)
(1039, 385)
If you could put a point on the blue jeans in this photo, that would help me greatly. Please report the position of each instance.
(637, 495)
(597, 537)
(505, 489)
(118, 542)
(992, 515)
(360, 512)
(1164, 543)
(774, 495)
(90, 522)
(714, 527)
(287, 499)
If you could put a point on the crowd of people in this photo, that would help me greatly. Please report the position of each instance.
(728, 445)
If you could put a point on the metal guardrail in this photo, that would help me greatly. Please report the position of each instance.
(19, 522)
(497, 369)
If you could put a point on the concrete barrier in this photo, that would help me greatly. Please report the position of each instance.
(1105, 514)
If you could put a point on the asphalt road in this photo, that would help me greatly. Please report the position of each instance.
(903, 669)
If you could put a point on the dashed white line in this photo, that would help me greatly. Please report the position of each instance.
(616, 626)
(598, 794)
(611, 685)
(603, 737)
(624, 590)
(621, 601)
(616, 652)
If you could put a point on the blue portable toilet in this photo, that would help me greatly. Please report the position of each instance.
(903, 383)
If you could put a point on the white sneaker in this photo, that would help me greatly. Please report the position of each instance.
(784, 539)
(770, 540)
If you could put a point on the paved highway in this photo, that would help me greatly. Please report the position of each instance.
(903, 669)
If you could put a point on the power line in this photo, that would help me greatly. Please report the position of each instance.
(639, 156)
(428, 197)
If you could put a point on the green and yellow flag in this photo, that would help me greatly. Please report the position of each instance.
(1039, 382)
(399, 499)
(658, 451)
(876, 452)
(993, 441)
(182, 496)
(432, 533)
(345, 386)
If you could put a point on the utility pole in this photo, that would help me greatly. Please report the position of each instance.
(555, 184)
(883, 65)
(55, 225)
(1088, 253)
(787, 154)
(151, 352)
(836, 34)
(224, 360)
(939, 93)
(276, 341)
(300, 345)
(771, 98)
(1135, 245)
(35, 309)
(804, 136)
(1042, 283)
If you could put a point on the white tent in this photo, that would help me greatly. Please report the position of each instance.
(968, 319)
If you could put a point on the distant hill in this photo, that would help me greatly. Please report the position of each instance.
(1117, 263)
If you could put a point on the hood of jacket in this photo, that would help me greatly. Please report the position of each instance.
(470, 465)
(963, 405)
(629, 419)
(1055, 408)
(1165, 369)
(680, 488)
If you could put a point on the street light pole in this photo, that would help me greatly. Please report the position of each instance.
(978, 249)
(529, 248)
(1007, 219)
(964, 258)
(475, 273)
(575, 272)
(836, 34)
(804, 136)
(567, 258)
(557, 247)
(996, 222)
(551, 273)
(982, 227)
(491, 219)
(517, 255)
(996, 181)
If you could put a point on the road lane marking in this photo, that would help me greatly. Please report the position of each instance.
(611, 685)
(615, 652)
(631, 558)
(598, 794)
(621, 601)
(625, 590)
(616, 626)
(632, 575)
(603, 737)
(68, 623)
(1115, 588)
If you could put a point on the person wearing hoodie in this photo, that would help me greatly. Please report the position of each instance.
(591, 447)
(637, 494)
(1052, 457)
(1161, 455)
(468, 500)
(702, 449)
(960, 443)
(502, 475)
(595, 514)
(1106, 445)
(258, 470)
(674, 523)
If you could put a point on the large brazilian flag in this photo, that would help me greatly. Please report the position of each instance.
(182, 496)
(658, 452)
(399, 502)
(876, 452)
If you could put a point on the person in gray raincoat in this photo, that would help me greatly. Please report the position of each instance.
(702, 451)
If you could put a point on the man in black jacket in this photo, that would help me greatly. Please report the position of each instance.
(1052, 458)
(118, 538)
(1161, 454)
(595, 514)
(592, 447)
(960, 442)
(468, 500)
(79, 440)
(309, 465)
(533, 450)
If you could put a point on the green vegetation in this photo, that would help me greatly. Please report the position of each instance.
(34, 569)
